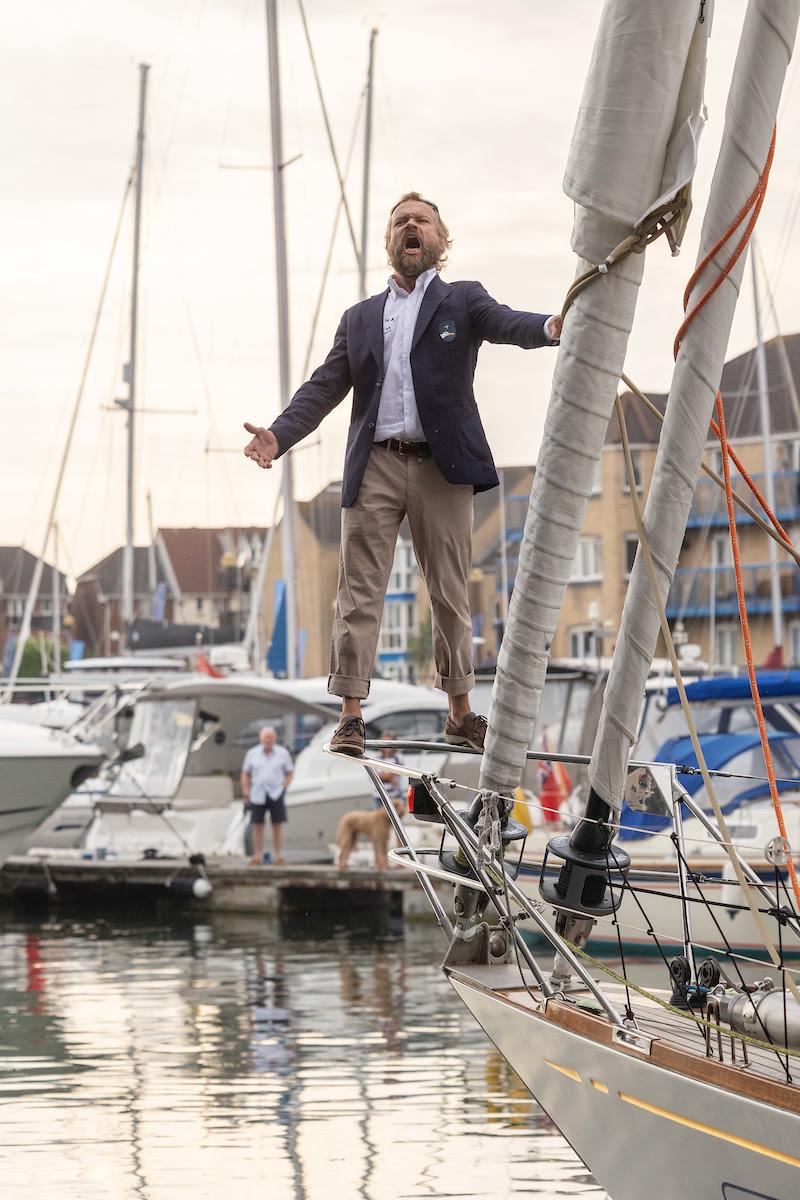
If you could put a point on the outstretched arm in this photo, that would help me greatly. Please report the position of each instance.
(312, 401)
(495, 322)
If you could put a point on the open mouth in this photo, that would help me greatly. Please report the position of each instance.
(411, 242)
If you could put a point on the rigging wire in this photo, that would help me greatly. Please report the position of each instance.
(696, 745)
(26, 619)
(329, 131)
(329, 256)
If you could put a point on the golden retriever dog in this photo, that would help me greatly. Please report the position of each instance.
(374, 825)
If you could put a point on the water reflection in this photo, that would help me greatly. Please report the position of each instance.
(243, 1057)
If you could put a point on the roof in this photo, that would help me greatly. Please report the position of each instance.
(108, 572)
(323, 514)
(199, 556)
(739, 392)
(16, 572)
(516, 480)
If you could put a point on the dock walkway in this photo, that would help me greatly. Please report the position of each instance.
(236, 886)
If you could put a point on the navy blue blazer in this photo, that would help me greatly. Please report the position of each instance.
(453, 320)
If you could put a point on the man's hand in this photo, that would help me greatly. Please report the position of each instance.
(263, 446)
(552, 328)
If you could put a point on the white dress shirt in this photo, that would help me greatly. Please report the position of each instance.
(397, 411)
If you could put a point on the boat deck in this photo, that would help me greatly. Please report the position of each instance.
(676, 1035)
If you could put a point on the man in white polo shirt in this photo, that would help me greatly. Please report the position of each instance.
(266, 774)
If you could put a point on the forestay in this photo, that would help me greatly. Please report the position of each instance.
(634, 144)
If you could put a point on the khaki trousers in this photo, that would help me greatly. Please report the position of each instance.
(440, 517)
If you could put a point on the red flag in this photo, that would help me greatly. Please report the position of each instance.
(204, 665)
(775, 659)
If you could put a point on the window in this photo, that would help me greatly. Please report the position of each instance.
(583, 642)
(636, 456)
(721, 551)
(425, 725)
(588, 564)
(726, 645)
(199, 604)
(398, 622)
(794, 643)
(402, 578)
(631, 546)
(15, 607)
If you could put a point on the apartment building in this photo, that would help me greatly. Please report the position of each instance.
(702, 606)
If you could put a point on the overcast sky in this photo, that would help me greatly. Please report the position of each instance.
(474, 106)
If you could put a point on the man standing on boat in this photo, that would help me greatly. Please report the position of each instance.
(266, 774)
(415, 448)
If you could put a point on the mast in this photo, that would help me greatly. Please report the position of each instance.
(130, 404)
(769, 478)
(767, 37)
(616, 190)
(362, 257)
(56, 604)
(282, 284)
(503, 549)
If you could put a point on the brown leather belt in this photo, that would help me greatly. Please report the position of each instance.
(410, 449)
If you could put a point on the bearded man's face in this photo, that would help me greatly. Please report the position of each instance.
(415, 243)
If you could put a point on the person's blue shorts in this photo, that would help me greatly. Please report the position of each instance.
(275, 808)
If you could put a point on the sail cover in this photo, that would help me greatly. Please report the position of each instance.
(766, 46)
(635, 139)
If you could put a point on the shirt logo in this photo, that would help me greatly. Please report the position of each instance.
(447, 330)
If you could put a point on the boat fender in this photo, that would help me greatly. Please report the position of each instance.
(184, 888)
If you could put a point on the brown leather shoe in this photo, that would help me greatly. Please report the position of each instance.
(471, 731)
(348, 737)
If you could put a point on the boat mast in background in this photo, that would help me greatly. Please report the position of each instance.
(776, 658)
(129, 405)
(362, 258)
(56, 603)
(282, 282)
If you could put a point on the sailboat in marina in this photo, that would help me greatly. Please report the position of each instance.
(692, 1088)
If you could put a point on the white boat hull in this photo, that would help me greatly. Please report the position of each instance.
(662, 914)
(640, 1129)
(32, 785)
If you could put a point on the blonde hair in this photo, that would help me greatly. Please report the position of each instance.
(444, 232)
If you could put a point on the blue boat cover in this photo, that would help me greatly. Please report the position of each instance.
(719, 750)
(737, 687)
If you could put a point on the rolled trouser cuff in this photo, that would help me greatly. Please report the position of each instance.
(453, 687)
(346, 685)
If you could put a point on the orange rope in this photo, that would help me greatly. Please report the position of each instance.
(754, 202)
(748, 649)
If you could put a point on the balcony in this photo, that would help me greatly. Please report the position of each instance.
(696, 591)
(708, 507)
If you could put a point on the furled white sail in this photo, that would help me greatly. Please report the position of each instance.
(758, 76)
(634, 140)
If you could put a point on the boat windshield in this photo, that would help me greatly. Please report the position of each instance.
(164, 728)
(660, 724)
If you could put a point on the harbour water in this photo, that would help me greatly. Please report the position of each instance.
(154, 1058)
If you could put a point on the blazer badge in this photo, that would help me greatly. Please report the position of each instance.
(447, 330)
